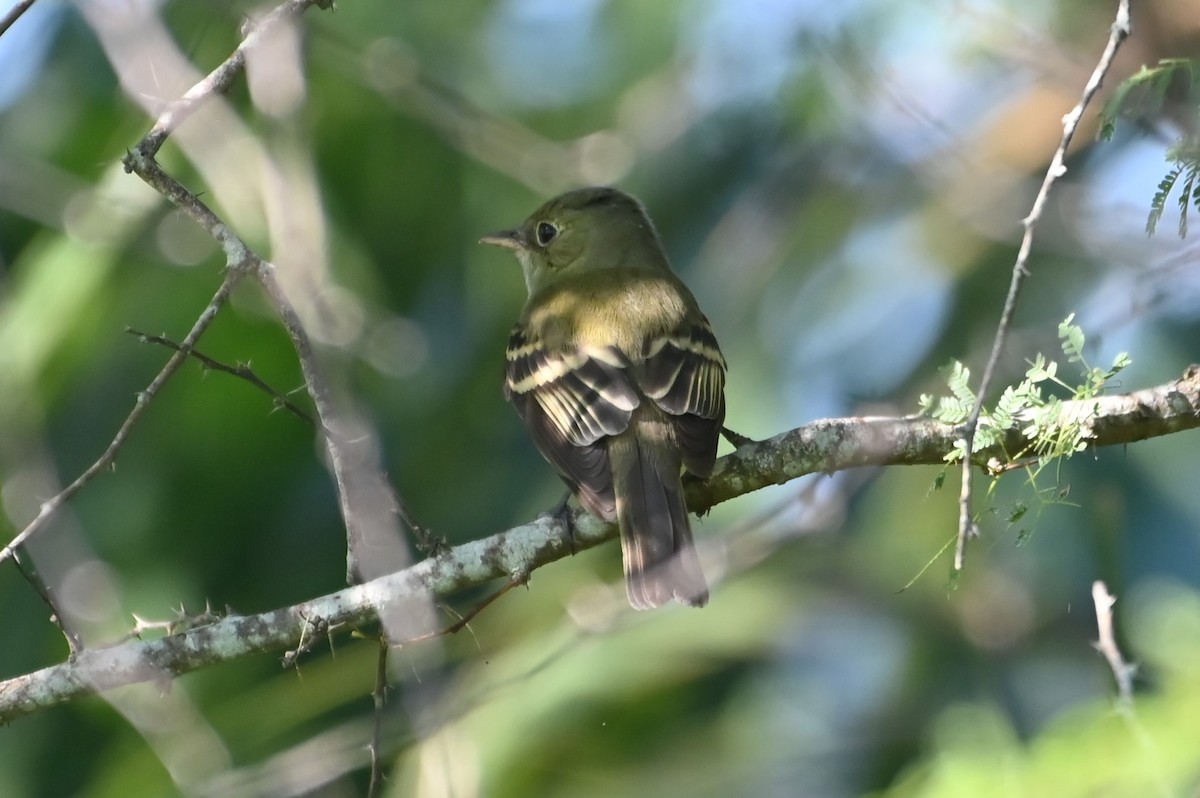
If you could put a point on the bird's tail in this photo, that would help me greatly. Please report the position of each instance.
(656, 538)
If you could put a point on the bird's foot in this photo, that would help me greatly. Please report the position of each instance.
(561, 512)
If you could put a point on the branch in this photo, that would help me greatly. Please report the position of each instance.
(220, 79)
(1106, 644)
(109, 456)
(822, 446)
(368, 504)
(1121, 28)
(239, 258)
(242, 371)
(14, 14)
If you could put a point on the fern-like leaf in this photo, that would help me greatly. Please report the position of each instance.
(1185, 196)
(1159, 203)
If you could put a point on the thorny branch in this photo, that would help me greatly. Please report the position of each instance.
(821, 447)
(51, 506)
(220, 79)
(241, 371)
(239, 258)
(355, 477)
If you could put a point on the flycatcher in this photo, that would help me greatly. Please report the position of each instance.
(618, 378)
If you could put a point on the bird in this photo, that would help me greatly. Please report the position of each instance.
(618, 378)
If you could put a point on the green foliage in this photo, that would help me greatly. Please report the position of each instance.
(1052, 431)
(975, 750)
(1143, 96)
(1144, 93)
(1052, 434)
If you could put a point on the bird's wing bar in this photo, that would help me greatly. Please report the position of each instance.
(570, 401)
(684, 374)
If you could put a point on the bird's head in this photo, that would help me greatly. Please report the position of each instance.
(588, 229)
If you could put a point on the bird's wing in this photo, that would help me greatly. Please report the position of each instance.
(684, 374)
(570, 400)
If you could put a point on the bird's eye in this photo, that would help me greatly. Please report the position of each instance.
(545, 233)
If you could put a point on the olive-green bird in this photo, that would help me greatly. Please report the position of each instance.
(619, 379)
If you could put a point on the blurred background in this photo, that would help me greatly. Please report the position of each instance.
(841, 184)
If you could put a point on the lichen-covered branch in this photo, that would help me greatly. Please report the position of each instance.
(822, 446)
(835, 444)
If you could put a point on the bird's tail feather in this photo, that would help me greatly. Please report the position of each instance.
(656, 538)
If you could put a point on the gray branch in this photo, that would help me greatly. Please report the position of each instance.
(822, 446)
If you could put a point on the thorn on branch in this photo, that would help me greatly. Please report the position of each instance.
(314, 630)
(242, 370)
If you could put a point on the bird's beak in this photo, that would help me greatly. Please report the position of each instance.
(509, 239)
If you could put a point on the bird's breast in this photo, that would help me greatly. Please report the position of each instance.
(622, 311)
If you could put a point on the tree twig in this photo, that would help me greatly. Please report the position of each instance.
(14, 14)
(220, 79)
(109, 456)
(57, 617)
(241, 371)
(366, 500)
(428, 543)
(823, 446)
(379, 698)
(1106, 644)
(1123, 674)
(1120, 30)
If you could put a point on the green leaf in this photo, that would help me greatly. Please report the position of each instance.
(1040, 370)
(1158, 203)
(1072, 339)
(1189, 186)
(958, 380)
(956, 454)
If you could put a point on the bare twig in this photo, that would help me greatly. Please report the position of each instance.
(365, 498)
(379, 697)
(823, 446)
(428, 543)
(241, 371)
(14, 14)
(521, 577)
(1123, 671)
(1121, 28)
(239, 259)
(74, 644)
(380, 693)
(109, 456)
(220, 79)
